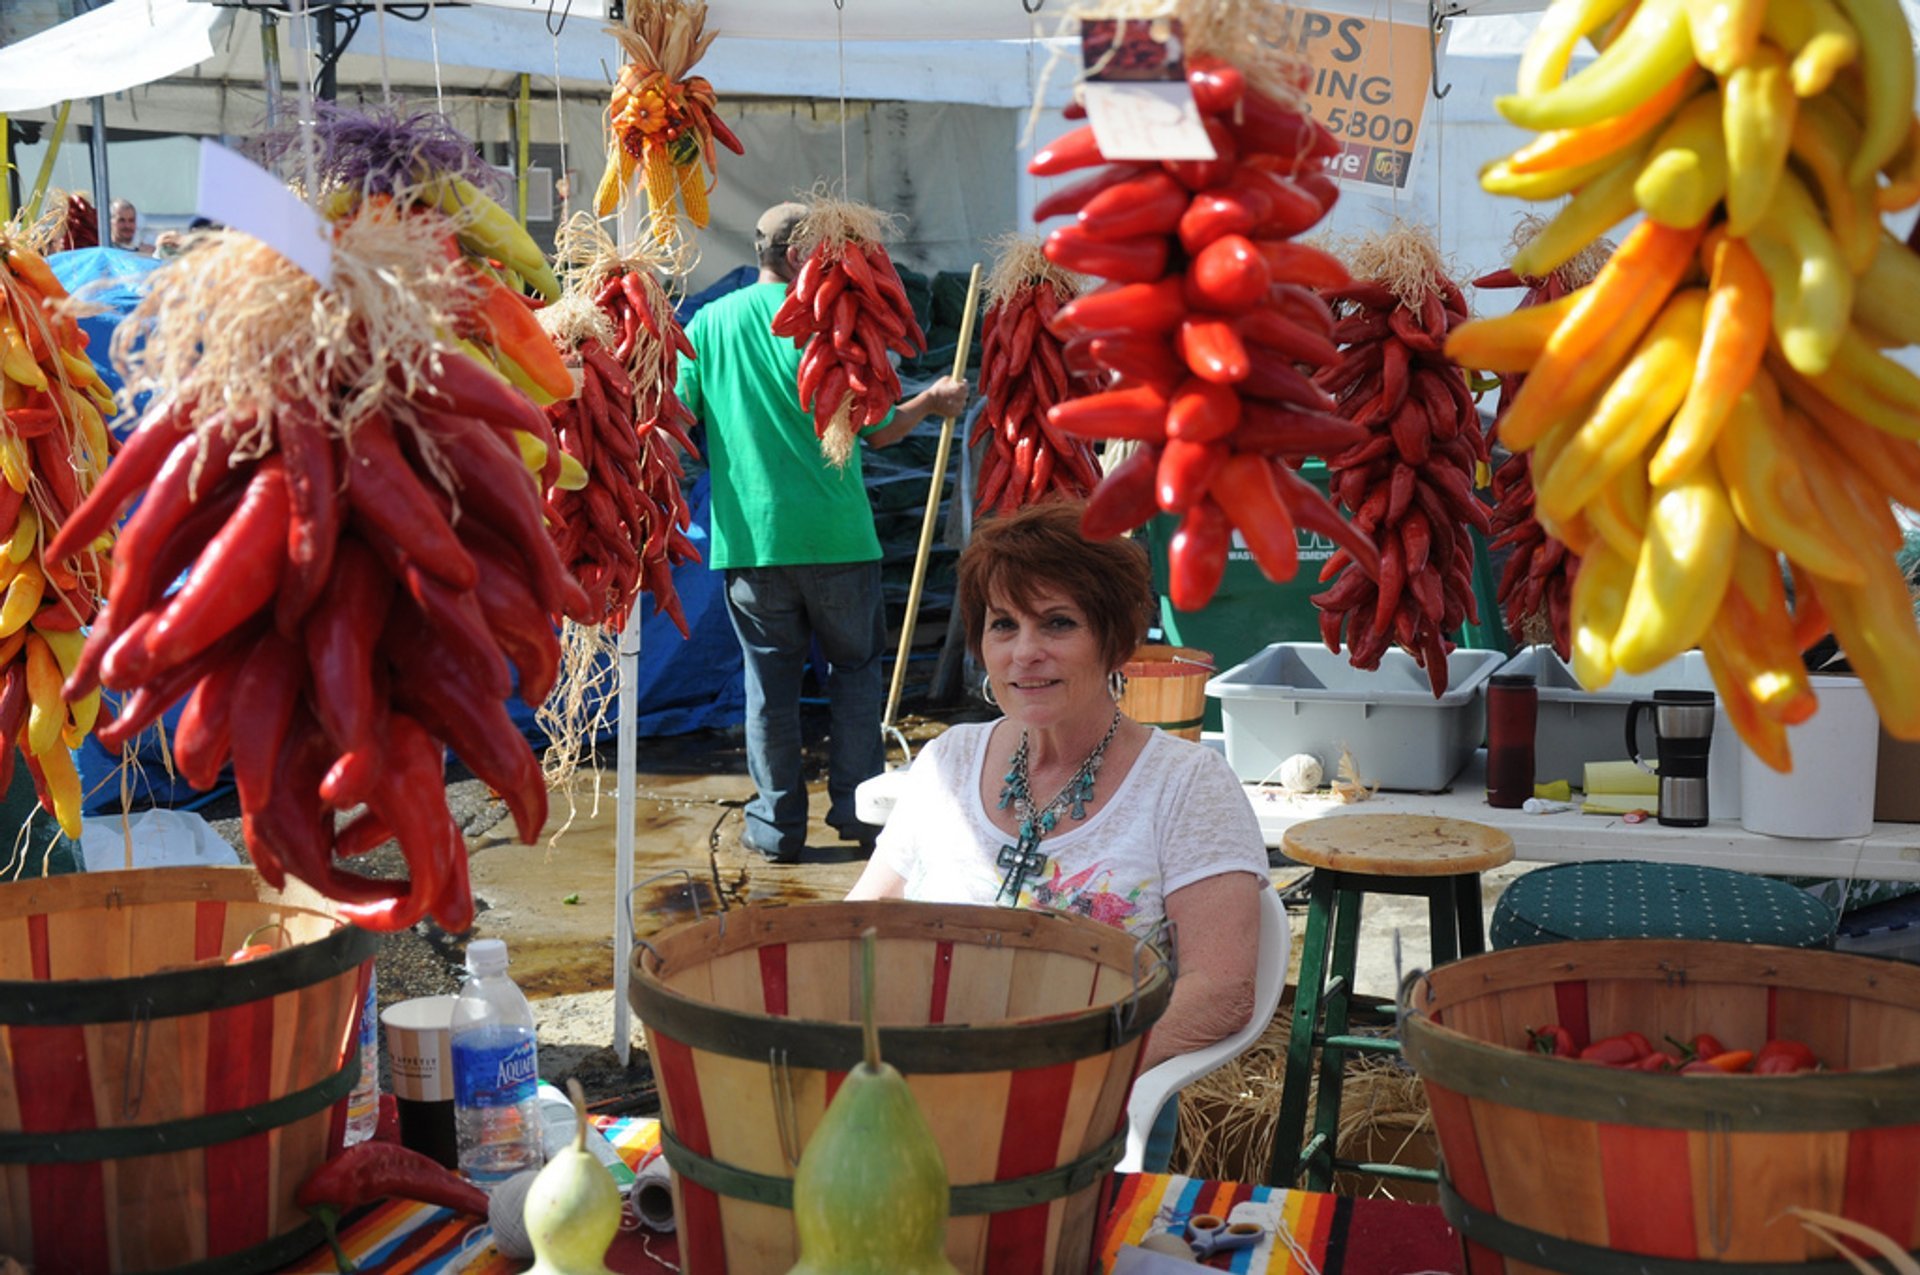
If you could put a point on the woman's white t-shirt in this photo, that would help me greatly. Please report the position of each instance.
(1179, 816)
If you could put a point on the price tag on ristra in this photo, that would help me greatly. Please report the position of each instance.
(1135, 90)
(1371, 82)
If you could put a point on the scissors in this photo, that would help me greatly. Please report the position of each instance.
(1208, 1234)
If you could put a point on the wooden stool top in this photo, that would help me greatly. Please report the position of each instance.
(1397, 845)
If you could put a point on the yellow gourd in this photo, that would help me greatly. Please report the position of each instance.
(573, 1207)
(870, 1195)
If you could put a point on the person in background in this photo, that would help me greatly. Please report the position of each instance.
(1066, 802)
(124, 222)
(795, 536)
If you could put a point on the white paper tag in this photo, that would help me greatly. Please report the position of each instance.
(1136, 91)
(241, 194)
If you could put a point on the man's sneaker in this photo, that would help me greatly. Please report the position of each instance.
(861, 834)
(771, 856)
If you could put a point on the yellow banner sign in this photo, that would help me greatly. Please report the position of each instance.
(1370, 88)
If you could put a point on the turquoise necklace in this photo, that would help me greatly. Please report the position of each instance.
(1024, 860)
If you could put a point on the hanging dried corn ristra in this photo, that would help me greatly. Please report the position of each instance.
(365, 551)
(846, 309)
(54, 446)
(1719, 386)
(1208, 316)
(1409, 482)
(1023, 373)
(662, 121)
(1535, 591)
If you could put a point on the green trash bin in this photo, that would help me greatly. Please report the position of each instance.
(1249, 612)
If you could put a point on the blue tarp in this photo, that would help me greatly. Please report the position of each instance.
(112, 278)
(684, 685)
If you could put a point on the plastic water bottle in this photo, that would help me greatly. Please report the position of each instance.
(363, 1104)
(496, 1071)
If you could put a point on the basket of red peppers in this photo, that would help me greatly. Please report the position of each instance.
(1701, 1055)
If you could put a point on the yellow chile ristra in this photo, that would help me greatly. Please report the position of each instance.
(63, 788)
(1770, 494)
(1819, 38)
(23, 596)
(46, 711)
(1902, 172)
(1686, 174)
(1884, 294)
(1599, 600)
(1685, 563)
(1758, 111)
(1515, 341)
(1733, 342)
(1810, 317)
(1652, 49)
(1887, 73)
(1501, 177)
(1630, 414)
(16, 360)
(1543, 63)
(1871, 387)
(1725, 32)
(1618, 515)
(1874, 623)
(1600, 205)
(25, 537)
(1767, 659)
(1824, 138)
(1766, 737)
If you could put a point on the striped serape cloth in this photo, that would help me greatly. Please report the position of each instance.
(401, 1237)
(1307, 1231)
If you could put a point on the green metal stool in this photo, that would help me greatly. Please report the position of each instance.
(1353, 856)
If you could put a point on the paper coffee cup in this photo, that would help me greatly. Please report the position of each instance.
(420, 1061)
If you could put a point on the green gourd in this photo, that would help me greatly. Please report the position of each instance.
(870, 1195)
(573, 1207)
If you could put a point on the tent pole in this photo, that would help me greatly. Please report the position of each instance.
(522, 125)
(6, 167)
(933, 508)
(46, 164)
(629, 667)
(102, 188)
(270, 62)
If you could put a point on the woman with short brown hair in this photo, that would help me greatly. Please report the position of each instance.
(1141, 827)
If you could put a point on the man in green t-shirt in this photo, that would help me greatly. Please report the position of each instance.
(795, 536)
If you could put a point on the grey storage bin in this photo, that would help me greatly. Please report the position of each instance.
(1299, 697)
(1576, 726)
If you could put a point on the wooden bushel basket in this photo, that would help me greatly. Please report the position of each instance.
(159, 1107)
(1565, 1166)
(1167, 687)
(1018, 1031)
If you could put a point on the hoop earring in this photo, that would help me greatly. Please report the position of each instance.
(986, 689)
(1117, 685)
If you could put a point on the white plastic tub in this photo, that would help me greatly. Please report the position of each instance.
(1299, 697)
(1829, 792)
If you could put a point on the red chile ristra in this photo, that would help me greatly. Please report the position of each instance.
(341, 623)
(846, 309)
(1408, 483)
(1538, 578)
(1023, 374)
(1201, 331)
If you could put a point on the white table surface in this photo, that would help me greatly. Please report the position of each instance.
(1890, 852)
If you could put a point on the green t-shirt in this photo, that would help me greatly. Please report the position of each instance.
(776, 500)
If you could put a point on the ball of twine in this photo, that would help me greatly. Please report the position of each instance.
(507, 1214)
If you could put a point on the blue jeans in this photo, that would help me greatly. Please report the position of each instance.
(777, 612)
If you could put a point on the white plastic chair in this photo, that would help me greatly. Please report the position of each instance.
(1154, 1089)
(875, 798)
